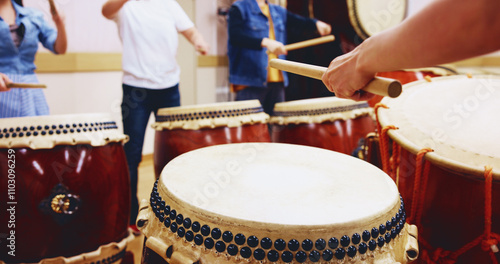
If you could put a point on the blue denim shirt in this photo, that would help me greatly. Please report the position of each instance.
(249, 66)
(21, 60)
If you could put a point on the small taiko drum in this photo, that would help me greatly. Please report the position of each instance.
(185, 128)
(329, 122)
(65, 190)
(439, 141)
(274, 203)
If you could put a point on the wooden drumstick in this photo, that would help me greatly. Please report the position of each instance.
(26, 85)
(53, 9)
(379, 85)
(310, 42)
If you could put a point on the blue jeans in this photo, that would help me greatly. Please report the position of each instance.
(268, 96)
(137, 106)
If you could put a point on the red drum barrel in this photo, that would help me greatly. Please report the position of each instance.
(445, 158)
(185, 128)
(65, 189)
(274, 203)
(329, 122)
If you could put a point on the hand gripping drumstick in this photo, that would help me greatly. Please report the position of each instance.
(26, 85)
(379, 85)
(310, 42)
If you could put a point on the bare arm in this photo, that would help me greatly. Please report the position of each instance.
(61, 44)
(111, 7)
(443, 32)
(195, 38)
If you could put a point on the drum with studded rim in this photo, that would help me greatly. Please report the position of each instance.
(185, 128)
(65, 189)
(439, 141)
(330, 122)
(277, 203)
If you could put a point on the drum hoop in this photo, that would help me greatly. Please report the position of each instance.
(354, 18)
(469, 171)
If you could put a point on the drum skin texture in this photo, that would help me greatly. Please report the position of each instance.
(98, 175)
(339, 135)
(171, 143)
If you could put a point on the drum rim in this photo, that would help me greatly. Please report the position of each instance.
(45, 132)
(318, 110)
(466, 170)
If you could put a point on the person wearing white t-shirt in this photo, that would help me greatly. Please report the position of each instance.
(149, 31)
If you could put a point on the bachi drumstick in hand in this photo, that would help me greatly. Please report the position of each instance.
(379, 85)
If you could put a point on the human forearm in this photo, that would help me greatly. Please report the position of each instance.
(444, 32)
(111, 7)
(195, 38)
(61, 44)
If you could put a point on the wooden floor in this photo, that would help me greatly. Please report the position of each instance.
(146, 181)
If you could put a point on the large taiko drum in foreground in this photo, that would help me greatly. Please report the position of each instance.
(445, 157)
(185, 128)
(274, 203)
(330, 123)
(65, 189)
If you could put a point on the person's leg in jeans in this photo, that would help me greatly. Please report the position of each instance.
(135, 116)
(275, 94)
(164, 98)
(252, 93)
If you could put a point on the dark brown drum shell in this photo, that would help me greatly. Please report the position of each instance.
(98, 175)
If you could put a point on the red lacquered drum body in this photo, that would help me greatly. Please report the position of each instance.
(185, 128)
(65, 187)
(330, 123)
(445, 158)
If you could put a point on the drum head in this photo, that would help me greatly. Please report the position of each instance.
(455, 116)
(370, 17)
(280, 184)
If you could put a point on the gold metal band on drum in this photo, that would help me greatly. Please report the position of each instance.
(110, 253)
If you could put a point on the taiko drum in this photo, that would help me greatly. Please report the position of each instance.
(439, 141)
(65, 189)
(185, 128)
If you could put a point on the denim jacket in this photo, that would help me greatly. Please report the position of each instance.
(249, 66)
(36, 29)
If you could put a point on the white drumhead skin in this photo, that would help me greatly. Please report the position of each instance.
(370, 17)
(456, 116)
(280, 184)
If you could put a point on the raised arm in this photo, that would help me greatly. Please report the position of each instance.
(445, 31)
(61, 44)
(195, 38)
(111, 7)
